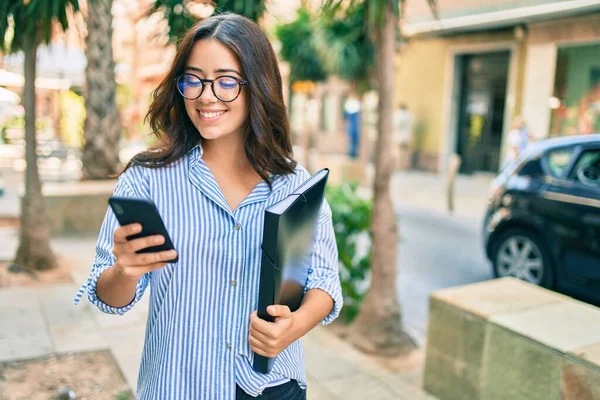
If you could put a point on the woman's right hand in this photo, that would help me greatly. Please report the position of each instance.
(131, 265)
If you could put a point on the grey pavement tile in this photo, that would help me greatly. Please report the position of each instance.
(76, 337)
(362, 387)
(404, 388)
(71, 328)
(126, 345)
(330, 360)
(413, 377)
(18, 296)
(25, 345)
(23, 331)
(325, 365)
(57, 304)
(318, 391)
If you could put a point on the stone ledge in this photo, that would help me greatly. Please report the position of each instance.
(507, 339)
(77, 207)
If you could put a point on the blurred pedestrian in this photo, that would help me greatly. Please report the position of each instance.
(352, 117)
(517, 140)
(403, 133)
(224, 154)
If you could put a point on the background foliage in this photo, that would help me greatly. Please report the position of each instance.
(351, 216)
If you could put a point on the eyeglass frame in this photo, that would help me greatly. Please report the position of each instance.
(241, 82)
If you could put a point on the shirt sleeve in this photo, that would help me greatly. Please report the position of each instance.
(105, 258)
(323, 272)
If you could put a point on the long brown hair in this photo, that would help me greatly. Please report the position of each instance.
(267, 136)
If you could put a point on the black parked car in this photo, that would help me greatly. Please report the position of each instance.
(543, 219)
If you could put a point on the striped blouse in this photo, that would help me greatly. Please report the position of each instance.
(196, 344)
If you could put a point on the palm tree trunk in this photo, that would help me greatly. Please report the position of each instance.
(378, 326)
(102, 126)
(34, 250)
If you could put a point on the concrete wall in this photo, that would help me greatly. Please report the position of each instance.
(506, 339)
(78, 208)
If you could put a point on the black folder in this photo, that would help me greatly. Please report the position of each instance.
(288, 236)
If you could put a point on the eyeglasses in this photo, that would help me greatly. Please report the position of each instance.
(225, 88)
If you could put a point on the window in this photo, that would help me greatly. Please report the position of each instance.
(587, 169)
(558, 161)
(532, 168)
(576, 101)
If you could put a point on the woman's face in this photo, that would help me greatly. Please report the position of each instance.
(214, 119)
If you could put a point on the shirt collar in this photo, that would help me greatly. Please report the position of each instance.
(195, 154)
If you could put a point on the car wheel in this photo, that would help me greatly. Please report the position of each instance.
(522, 254)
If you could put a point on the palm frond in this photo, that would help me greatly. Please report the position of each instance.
(434, 9)
(180, 19)
(344, 44)
(32, 21)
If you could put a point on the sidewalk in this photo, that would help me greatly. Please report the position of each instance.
(43, 321)
(428, 191)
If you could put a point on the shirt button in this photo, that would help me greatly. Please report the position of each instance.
(238, 227)
(233, 283)
(310, 271)
(228, 346)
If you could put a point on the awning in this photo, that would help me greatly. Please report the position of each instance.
(6, 96)
(13, 79)
(54, 61)
(501, 18)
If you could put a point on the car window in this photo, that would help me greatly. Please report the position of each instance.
(587, 169)
(558, 161)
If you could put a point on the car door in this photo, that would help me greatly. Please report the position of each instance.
(576, 208)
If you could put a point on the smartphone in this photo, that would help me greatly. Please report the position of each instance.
(142, 211)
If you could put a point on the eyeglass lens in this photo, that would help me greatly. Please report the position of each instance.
(225, 88)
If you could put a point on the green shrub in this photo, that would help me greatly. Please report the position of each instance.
(351, 215)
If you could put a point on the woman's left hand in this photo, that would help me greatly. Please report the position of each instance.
(271, 338)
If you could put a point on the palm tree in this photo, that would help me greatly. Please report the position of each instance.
(102, 130)
(24, 25)
(378, 327)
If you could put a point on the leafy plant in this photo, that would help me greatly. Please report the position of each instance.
(297, 47)
(344, 45)
(124, 395)
(351, 216)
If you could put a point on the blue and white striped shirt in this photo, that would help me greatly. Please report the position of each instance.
(196, 344)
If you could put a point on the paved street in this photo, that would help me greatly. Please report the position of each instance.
(436, 251)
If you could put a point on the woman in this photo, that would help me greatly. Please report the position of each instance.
(224, 155)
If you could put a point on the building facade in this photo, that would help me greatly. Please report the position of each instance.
(466, 75)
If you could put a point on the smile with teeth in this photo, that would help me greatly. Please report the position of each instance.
(210, 114)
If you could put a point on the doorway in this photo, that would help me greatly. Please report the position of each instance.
(482, 99)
